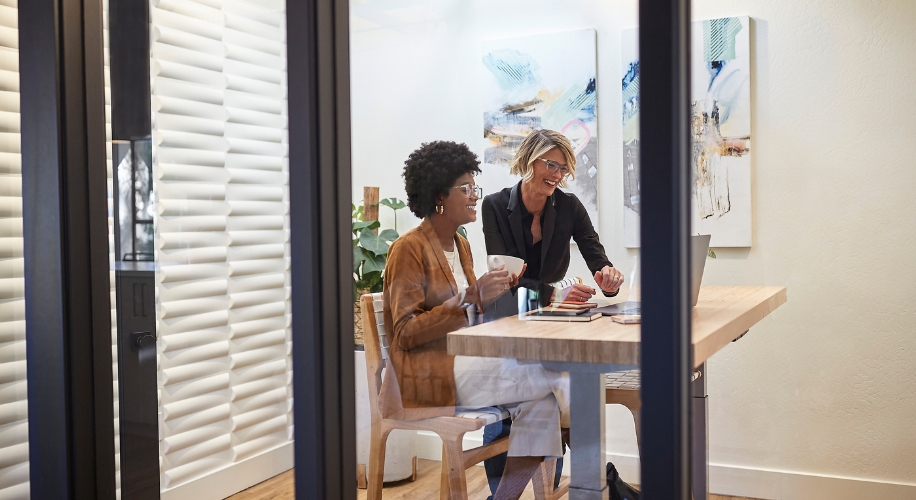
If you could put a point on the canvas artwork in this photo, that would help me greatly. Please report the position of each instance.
(720, 126)
(541, 82)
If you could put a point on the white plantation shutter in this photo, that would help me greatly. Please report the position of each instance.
(14, 436)
(220, 163)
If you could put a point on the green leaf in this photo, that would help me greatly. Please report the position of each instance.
(463, 232)
(370, 281)
(360, 226)
(360, 256)
(376, 285)
(392, 203)
(711, 254)
(374, 264)
(389, 235)
(373, 243)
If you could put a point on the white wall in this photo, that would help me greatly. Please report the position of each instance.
(414, 79)
(825, 385)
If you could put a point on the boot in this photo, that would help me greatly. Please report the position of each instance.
(619, 490)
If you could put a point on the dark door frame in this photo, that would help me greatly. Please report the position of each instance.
(324, 405)
(667, 361)
(65, 239)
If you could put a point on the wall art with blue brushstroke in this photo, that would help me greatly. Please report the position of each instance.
(720, 128)
(543, 81)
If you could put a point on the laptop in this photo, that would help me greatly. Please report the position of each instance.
(699, 248)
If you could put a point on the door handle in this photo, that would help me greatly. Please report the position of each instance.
(140, 340)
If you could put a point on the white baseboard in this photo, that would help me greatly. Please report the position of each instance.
(734, 480)
(789, 485)
(235, 478)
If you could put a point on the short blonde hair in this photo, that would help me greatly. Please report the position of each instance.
(536, 145)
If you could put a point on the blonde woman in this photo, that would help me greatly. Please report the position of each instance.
(535, 221)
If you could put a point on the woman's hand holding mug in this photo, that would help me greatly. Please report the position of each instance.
(491, 285)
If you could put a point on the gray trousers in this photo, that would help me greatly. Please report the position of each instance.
(537, 400)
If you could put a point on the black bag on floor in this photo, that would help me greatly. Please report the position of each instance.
(619, 490)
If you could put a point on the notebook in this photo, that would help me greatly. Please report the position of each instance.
(564, 316)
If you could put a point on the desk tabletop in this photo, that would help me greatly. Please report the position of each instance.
(722, 314)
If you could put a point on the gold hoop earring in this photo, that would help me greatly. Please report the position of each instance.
(440, 209)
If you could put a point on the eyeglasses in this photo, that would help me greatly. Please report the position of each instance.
(467, 188)
(553, 166)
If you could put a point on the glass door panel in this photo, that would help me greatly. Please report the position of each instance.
(202, 203)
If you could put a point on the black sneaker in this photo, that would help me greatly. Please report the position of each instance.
(619, 490)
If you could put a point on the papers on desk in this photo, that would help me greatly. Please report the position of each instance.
(627, 319)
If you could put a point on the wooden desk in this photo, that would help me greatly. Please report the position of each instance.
(721, 315)
(588, 350)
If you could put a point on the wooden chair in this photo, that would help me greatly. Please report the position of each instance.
(451, 429)
(622, 388)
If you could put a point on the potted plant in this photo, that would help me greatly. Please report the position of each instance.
(370, 253)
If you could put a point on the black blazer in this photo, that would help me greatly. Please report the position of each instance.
(565, 218)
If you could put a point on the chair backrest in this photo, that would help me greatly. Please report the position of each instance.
(384, 392)
(376, 345)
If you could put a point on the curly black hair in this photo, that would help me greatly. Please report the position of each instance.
(432, 169)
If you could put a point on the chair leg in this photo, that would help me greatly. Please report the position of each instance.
(413, 472)
(443, 476)
(543, 479)
(636, 413)
(378, 438)
(454, 457)
(362, 482)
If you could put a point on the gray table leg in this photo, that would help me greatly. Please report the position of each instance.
(587, 448)
(700, 425)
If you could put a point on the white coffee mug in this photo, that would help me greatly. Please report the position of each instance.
(513, 264)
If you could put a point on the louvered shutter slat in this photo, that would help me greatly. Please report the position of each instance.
(220, 146)
(14, 430)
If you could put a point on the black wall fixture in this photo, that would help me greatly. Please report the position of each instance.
(321, 248)
(664, 53)
(129, 51)
(65, 233)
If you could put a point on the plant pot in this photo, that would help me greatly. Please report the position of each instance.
(358, 319)
(401, 448)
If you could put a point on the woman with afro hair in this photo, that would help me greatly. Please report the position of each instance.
(431, 290)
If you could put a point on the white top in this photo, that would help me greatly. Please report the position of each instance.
(461, 279)
(454, 264)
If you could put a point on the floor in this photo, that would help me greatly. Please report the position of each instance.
(426, 487)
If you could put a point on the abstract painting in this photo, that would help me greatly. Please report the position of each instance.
(720, 131)
(542, 82)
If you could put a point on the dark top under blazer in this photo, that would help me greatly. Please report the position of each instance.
(565, 218)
